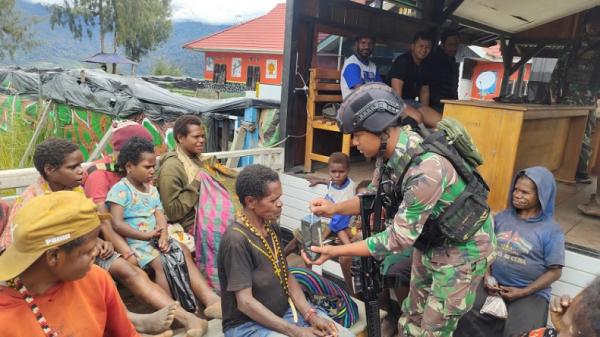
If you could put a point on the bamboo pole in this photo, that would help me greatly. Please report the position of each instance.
(101, 144)
(36, 134)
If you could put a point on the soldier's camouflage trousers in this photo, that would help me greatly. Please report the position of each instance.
(439, 296)
(586, 146)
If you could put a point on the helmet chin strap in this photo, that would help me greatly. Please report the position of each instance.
(383, 144)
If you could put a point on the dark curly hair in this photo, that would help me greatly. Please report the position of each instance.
(181, 125)
(53, 152)
(253, 181)
(132, 151)
(587, 312)
(339, 158)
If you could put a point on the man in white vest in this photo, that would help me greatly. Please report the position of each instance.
(359, 69)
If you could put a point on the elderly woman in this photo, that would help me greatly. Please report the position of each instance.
(531, 254)
(196, 193)
(259, 296)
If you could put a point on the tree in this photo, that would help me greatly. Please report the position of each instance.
(84, 15)
(15, 32)
(142, 25)
(162, 67)
(138, 26)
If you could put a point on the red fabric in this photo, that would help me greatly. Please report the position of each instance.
(89, 307)
(121, 135)
(97, 184)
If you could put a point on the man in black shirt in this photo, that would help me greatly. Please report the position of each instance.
(410, 78)
(444, 85)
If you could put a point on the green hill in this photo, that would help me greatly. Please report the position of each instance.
(58, 47)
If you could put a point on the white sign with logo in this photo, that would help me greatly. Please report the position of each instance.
(236, 67)
(210, 63)
(271, 69)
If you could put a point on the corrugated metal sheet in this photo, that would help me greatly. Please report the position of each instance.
(265, 33)
(514, 16)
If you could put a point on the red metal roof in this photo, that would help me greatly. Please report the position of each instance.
(264, 34)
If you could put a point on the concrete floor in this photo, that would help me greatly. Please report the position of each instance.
(580, 230)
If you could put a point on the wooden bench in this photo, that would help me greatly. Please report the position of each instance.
(323, 87)
(579, 270)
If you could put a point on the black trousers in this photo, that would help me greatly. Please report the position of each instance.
(524, 315)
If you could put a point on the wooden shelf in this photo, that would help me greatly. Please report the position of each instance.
(323, 87)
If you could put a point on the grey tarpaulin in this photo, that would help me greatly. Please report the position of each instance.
(118, 95)
(19, 82)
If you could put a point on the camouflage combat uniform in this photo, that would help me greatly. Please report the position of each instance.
(443, 279)
(576, 81)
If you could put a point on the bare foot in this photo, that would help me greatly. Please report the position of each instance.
(167, 333)
(197, 332)
(195, 326)
(156, 322)
(214, 310)
(592, 207)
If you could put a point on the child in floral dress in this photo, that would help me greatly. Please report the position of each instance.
(138, 215)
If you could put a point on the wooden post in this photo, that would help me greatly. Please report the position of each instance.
(310, 108)
(238, 141)
(251, 139)
(225, 135)
(36, 134)
(101, 144)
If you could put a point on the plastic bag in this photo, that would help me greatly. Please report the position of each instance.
(177, 233)
(494, 306)
(177, 275)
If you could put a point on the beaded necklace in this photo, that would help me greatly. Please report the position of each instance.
(274, 255)
(28, 297)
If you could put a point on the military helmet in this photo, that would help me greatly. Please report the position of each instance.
(373, 107)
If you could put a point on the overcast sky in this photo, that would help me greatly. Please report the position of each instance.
(211, 11)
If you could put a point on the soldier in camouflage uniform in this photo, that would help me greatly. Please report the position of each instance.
(576, 81)
(443, 278)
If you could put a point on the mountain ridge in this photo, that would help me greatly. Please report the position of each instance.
(58, 47)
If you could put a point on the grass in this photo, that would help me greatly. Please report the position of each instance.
(14, 143)
(19, 132)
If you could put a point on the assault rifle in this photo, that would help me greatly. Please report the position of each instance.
(370, 280)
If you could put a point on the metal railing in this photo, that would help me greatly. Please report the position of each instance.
(270, 157)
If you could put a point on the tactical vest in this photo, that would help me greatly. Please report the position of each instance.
(458, 222)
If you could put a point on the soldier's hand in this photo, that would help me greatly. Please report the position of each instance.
(325, 251)
(322, 207)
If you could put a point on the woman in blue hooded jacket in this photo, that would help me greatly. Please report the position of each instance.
(530, 257)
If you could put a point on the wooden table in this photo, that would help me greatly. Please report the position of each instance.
(512, 137)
